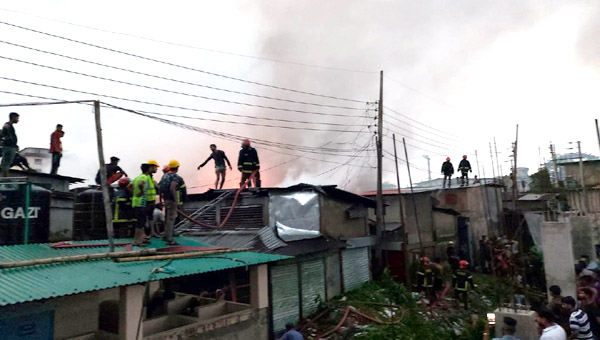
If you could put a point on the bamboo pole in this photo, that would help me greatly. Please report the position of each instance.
(179, 256)
(77, 258)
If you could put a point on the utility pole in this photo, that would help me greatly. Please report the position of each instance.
(379, 208)
(414, 201)
(478, 171)
(497, 162)
(515, 188)
(103, 179)
(581, 178)
(492, 158)
(402, 224)
(597, 132)
(428, 165)
(553, 153)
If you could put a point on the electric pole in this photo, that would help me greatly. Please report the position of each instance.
(497, 162)
(428, 166)
(515, 181)
(379, 208)
(492, 158)
(597, 132)
(581, 178)
(552, 148)
(478, 172)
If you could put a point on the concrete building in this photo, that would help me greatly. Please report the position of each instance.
(591, 173)
(40, 159)
(461, 215)
(104, 299)
(325, 229)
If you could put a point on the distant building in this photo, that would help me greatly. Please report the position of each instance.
(40, 159)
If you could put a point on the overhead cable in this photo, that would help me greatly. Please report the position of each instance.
(181, 66)
(182, 81)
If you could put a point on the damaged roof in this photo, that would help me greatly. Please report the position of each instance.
(265, 240)
(31, 283)
(328, 190)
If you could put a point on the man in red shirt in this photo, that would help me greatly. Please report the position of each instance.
(56, 148)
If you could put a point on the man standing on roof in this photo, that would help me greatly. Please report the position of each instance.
(447, 171)
(248, 163)
(464, 167)
(56, 148)
(8, 141)
(113, 171)
(140, 187)
(151, 195)
(220, 158)
(173, 191)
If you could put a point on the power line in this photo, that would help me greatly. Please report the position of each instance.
(416, 121)
(418, 92)
(169, 91)
(293, 147)
(393, 117)
(181, 81)
(197, 47)
(151, 103)
(181, 66)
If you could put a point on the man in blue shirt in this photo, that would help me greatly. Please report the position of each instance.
(291, 333)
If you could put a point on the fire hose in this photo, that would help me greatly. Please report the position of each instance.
(347, 312)
(235, 200)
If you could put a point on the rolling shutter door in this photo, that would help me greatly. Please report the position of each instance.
(285, 298)
(313, 285)
(355, 267)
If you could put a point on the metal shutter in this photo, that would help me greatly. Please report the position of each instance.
(355, 267)
(285, 297)
(313, 285)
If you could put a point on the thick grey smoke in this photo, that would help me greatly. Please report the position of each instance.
(427, 45)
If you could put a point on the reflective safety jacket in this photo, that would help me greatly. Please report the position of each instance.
(425, 278)
(139, 201)
(150, 189)
(462, 280)
(464, 166)
(248, 160)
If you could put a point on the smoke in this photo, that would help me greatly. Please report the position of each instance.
(428, 45)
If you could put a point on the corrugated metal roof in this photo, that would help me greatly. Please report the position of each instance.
(24, 284)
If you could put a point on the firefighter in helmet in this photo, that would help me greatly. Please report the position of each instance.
(462, 282)
(425, 278)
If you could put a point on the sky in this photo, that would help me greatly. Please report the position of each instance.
(300, 80)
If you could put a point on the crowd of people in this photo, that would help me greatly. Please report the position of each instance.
(144, 197)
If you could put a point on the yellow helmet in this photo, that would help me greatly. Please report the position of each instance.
(173, 164)
(152, 162)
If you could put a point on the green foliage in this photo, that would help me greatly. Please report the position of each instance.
(541, 182)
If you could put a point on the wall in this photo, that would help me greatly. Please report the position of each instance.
(335, 222)
(582, 233)
(333, 277)
(74, 315)
(558, 256)
(255, 328)
(425, 217)
(591, 173)
(61, 217)
(444, 226)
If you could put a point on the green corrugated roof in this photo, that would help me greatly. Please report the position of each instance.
(32, 283)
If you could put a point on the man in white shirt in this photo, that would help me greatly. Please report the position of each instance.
(550, 330)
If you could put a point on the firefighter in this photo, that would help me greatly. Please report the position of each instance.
(462, 282)
(447, 171)
(464, 167)
(425, 278)
(248, 163)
